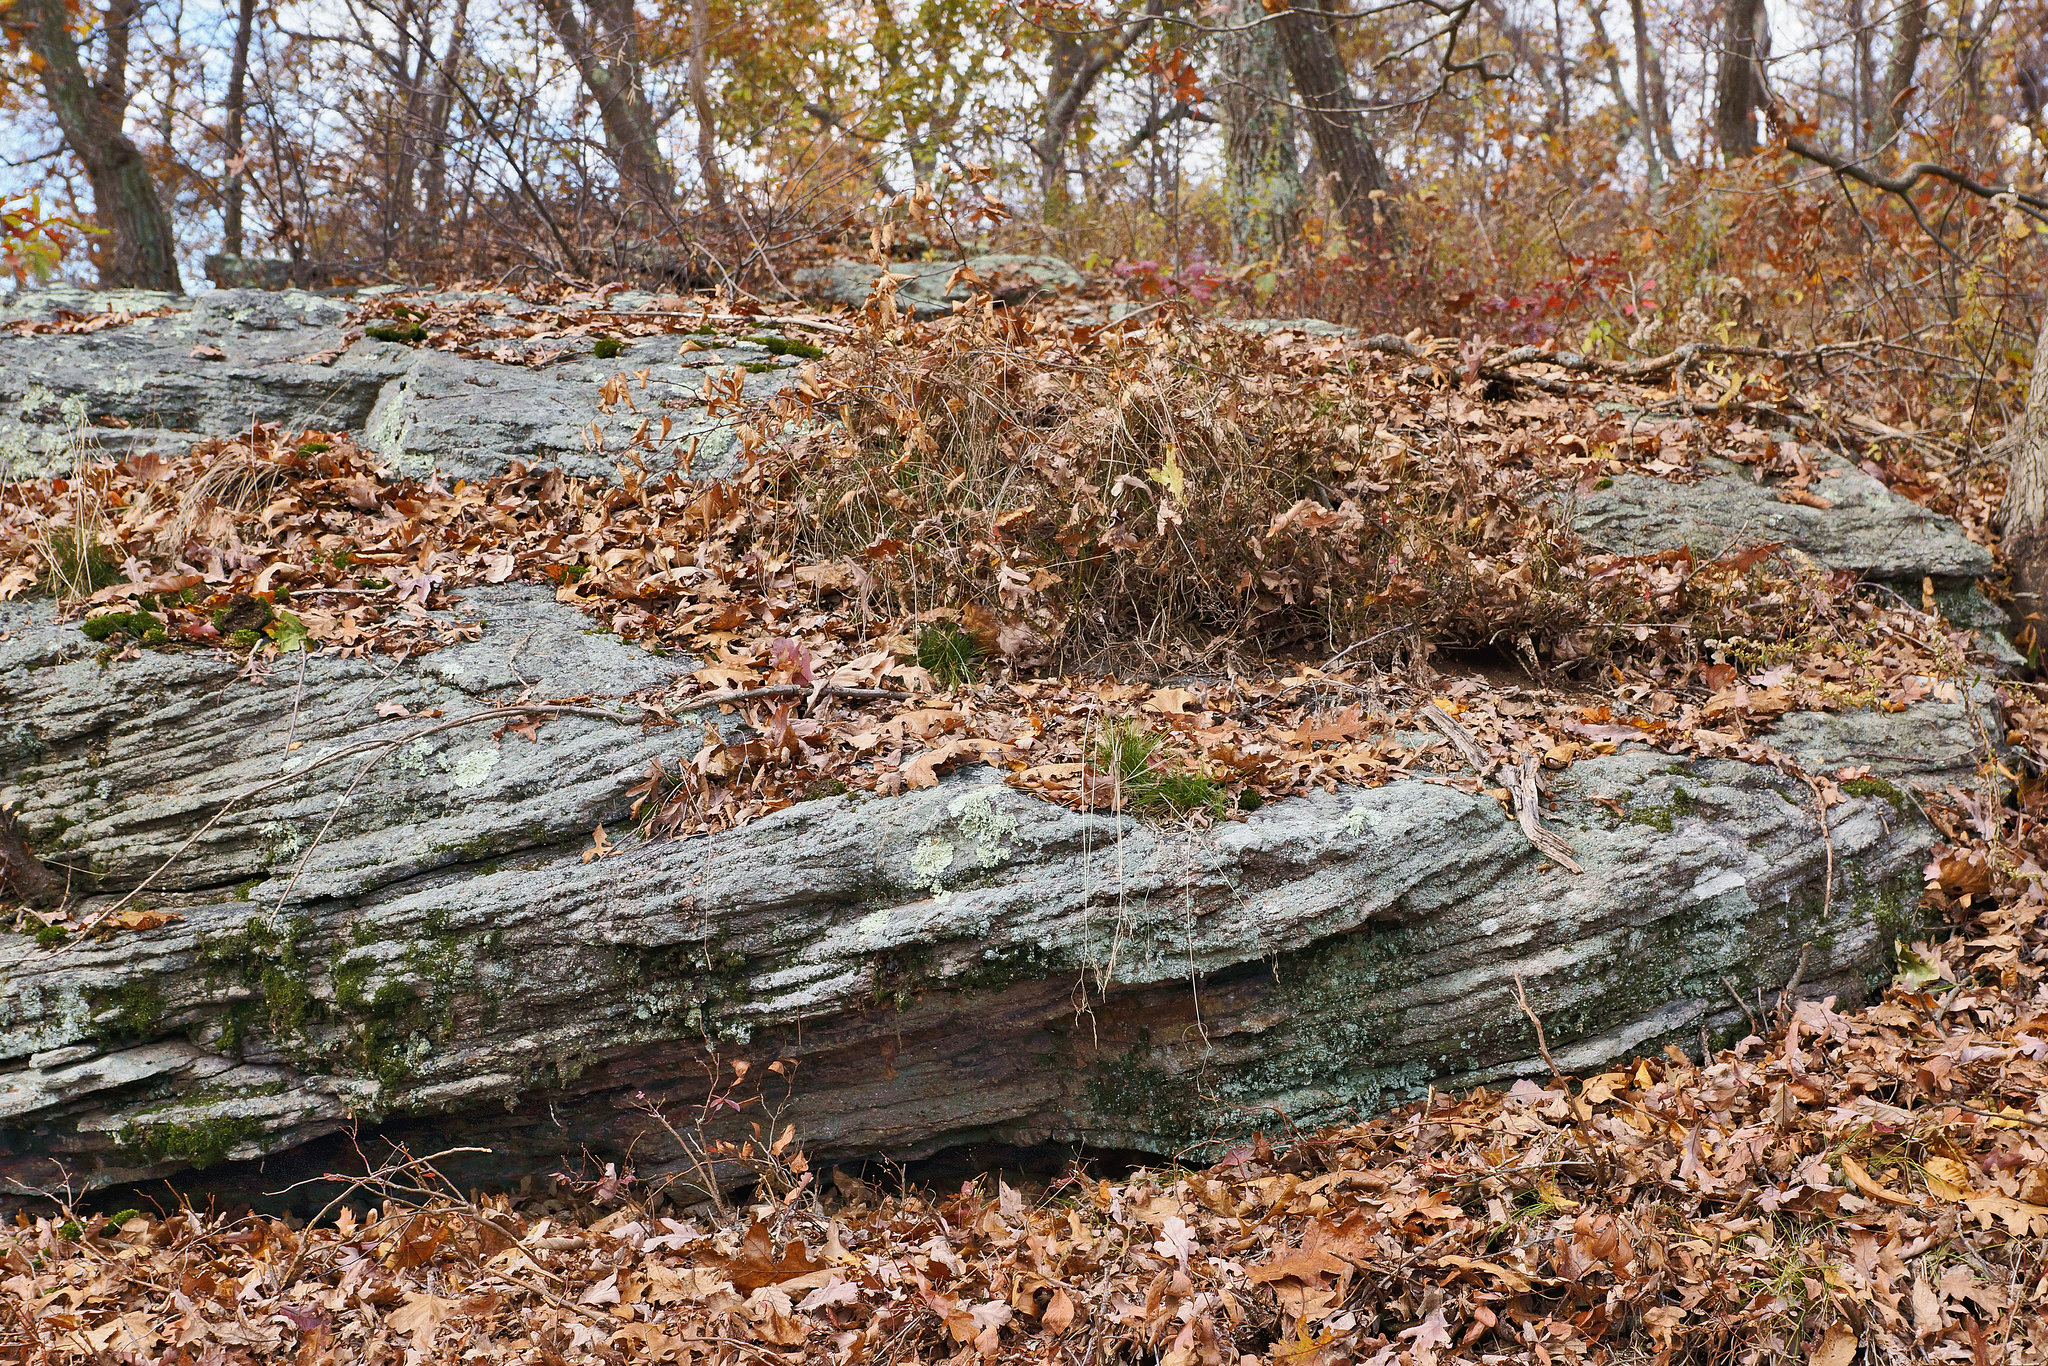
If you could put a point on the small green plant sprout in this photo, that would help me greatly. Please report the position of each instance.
(948, 653)
(288, 631)
(1147, 776)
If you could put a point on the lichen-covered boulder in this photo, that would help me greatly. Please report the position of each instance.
(1867, 528)
(432, 942)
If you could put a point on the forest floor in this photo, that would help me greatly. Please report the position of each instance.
(1251, 545)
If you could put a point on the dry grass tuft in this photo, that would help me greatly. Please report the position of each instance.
(1075, 497)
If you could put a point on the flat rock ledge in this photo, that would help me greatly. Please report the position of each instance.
(208, 365)
(960, 964)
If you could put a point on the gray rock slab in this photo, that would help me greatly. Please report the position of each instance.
(115, 765)
(1870, 529)
(960, 963)
(470, 418)
(283, 357)
(925, 293)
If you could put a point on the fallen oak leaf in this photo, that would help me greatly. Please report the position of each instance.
(756, 1265)
(1837, 1346)
(2019, 1217)
(1306, 1267)
(1863, 1181)
(1514, 1282)
(421, 1316)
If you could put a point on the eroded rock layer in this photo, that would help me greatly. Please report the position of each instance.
(958, 963)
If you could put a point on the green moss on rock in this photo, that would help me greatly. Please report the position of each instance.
(1877, 787)
(137, 1010)
(201, 1144)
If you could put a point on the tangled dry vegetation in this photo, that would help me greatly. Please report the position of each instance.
(1872, 1181)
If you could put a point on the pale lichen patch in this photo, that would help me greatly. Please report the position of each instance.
(473, 766)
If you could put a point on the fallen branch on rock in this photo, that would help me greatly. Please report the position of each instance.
(796, 690)
(1548, 842)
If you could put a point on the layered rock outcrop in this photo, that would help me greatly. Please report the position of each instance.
(211, 364)
(424, 935)
(960, 963)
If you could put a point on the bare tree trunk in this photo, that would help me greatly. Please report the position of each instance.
(237, 106)
(2025, 512)
(1349, 159)
(1075, 69)
(1610, 56)
(409, 76)
(1660, 110)
(1738, 85)
(440, 109)
(138, 252)
(1258, 134)
(607, 55)
(1863, 86)
(700, 101)
(1556, 97)
(1973, 35)
(1899, 73)
(1654, 168)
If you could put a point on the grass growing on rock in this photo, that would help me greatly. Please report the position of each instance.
(1149, 777)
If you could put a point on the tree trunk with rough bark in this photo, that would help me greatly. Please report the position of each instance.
(237, 107)
(1899, 74)
(1738, 85)
(138, 252)
(1076, 67)
(2026, 503)
(700, 102)
(440, 110)
(1260, 170)
(1645, 102)
(1660, 110)
(1335, 125)
(606, 50)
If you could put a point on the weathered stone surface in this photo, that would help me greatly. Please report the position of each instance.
(283, 357)
(925, 293)
(961, 963)
(1869, 529)
(420, 942)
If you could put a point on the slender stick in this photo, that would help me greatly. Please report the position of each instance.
(1542, 1044)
